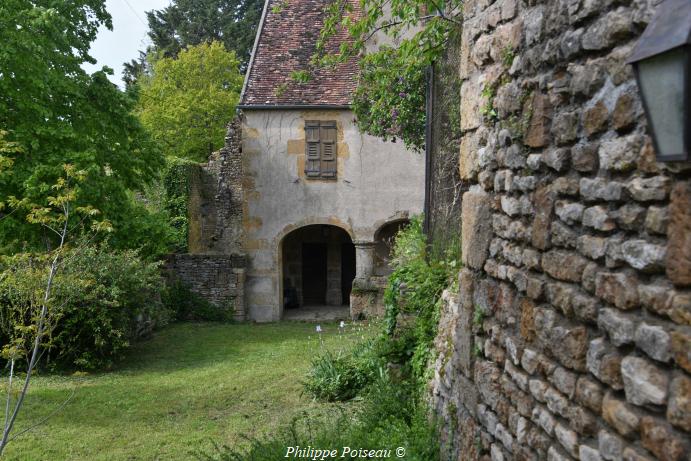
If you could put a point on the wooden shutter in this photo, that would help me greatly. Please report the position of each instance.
(312, 154)
(327, 136)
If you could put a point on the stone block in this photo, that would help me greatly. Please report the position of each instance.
(617, 288)
(630, 216)
(569, 212)
(644, 383)
(657, 220)
(600, 189)
(467, 162)
(586, 453)
(662, 441)
(584, 157)
(608, 29)
(589, 394)
(649, 189)
(655, 341)
(679, 408)
(565, 127)
(564, 380)
(620, 415)
(564, 265)
(476, 230)
(604, 362)
(619, 326)
(620, 154)
(567, 438)
(681, 348)
(679, 234)
(595, 118)
(644, 256)
(544, 202)
(598, 218)
(611, 446)
(538, 132)
(592, 247)
(557, 159)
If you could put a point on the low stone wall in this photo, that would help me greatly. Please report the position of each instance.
(367, 298)
(219, 279)
(570, 338)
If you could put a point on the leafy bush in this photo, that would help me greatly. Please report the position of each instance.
(101, 301)
(414, 290)
(334, 378)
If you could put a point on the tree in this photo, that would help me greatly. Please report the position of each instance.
(56, 113)
(389, 101)
(60, 216)
(192, 22)
(187, 101)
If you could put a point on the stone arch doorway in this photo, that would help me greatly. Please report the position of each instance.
(317, 271)
(383, 244)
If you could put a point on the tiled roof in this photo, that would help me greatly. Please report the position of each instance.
(286, 43)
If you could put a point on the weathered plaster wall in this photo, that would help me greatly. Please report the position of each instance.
(377, 182)
(570, 336)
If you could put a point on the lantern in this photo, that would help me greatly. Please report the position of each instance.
(662, 64)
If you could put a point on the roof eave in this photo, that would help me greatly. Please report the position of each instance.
(254, 49)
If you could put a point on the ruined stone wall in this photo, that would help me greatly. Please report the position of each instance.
(216, 197)
(569, 337)
(214, 268)
(219, 279)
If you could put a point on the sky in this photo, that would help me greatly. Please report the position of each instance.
(113, 48)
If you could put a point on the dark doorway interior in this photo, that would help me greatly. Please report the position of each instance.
(347, 271)
(314, 273)
(318, 268)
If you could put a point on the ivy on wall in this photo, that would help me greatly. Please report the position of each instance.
(176, 185)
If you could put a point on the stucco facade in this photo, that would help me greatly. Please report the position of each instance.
(377, 183)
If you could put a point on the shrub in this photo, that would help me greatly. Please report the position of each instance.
(101, 301)
(414, 290)
(335, 377)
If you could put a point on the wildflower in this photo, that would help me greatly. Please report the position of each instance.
(319, 328)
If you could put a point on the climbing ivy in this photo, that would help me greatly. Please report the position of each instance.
(176, 185)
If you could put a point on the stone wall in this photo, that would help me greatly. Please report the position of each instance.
(569, 338)
(214, 268)
(219, 279)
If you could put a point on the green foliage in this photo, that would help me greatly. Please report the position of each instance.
(487, 109)
(186, 102)
(191, 22)
(389, 101)
(435, 24)
(176, 185)
(185, 305)
(414, 290)
(334, 377)
(101, 301)
(54, 113)
(391, 415)
(341, 376)
(300, 76)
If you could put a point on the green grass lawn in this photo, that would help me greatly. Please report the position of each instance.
(190, 384)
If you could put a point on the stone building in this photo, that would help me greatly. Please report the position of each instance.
(308, 200)
(570, 335)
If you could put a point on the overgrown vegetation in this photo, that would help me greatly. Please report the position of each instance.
(421, 29)
(101, 301)
(388, 374)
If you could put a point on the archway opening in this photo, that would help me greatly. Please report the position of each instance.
(383, 244)
(318, 267)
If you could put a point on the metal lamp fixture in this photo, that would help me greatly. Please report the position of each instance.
(662, 64)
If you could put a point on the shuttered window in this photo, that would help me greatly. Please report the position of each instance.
(320, 149)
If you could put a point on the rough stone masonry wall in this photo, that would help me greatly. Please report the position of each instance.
(570, 336)
(214, 268)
